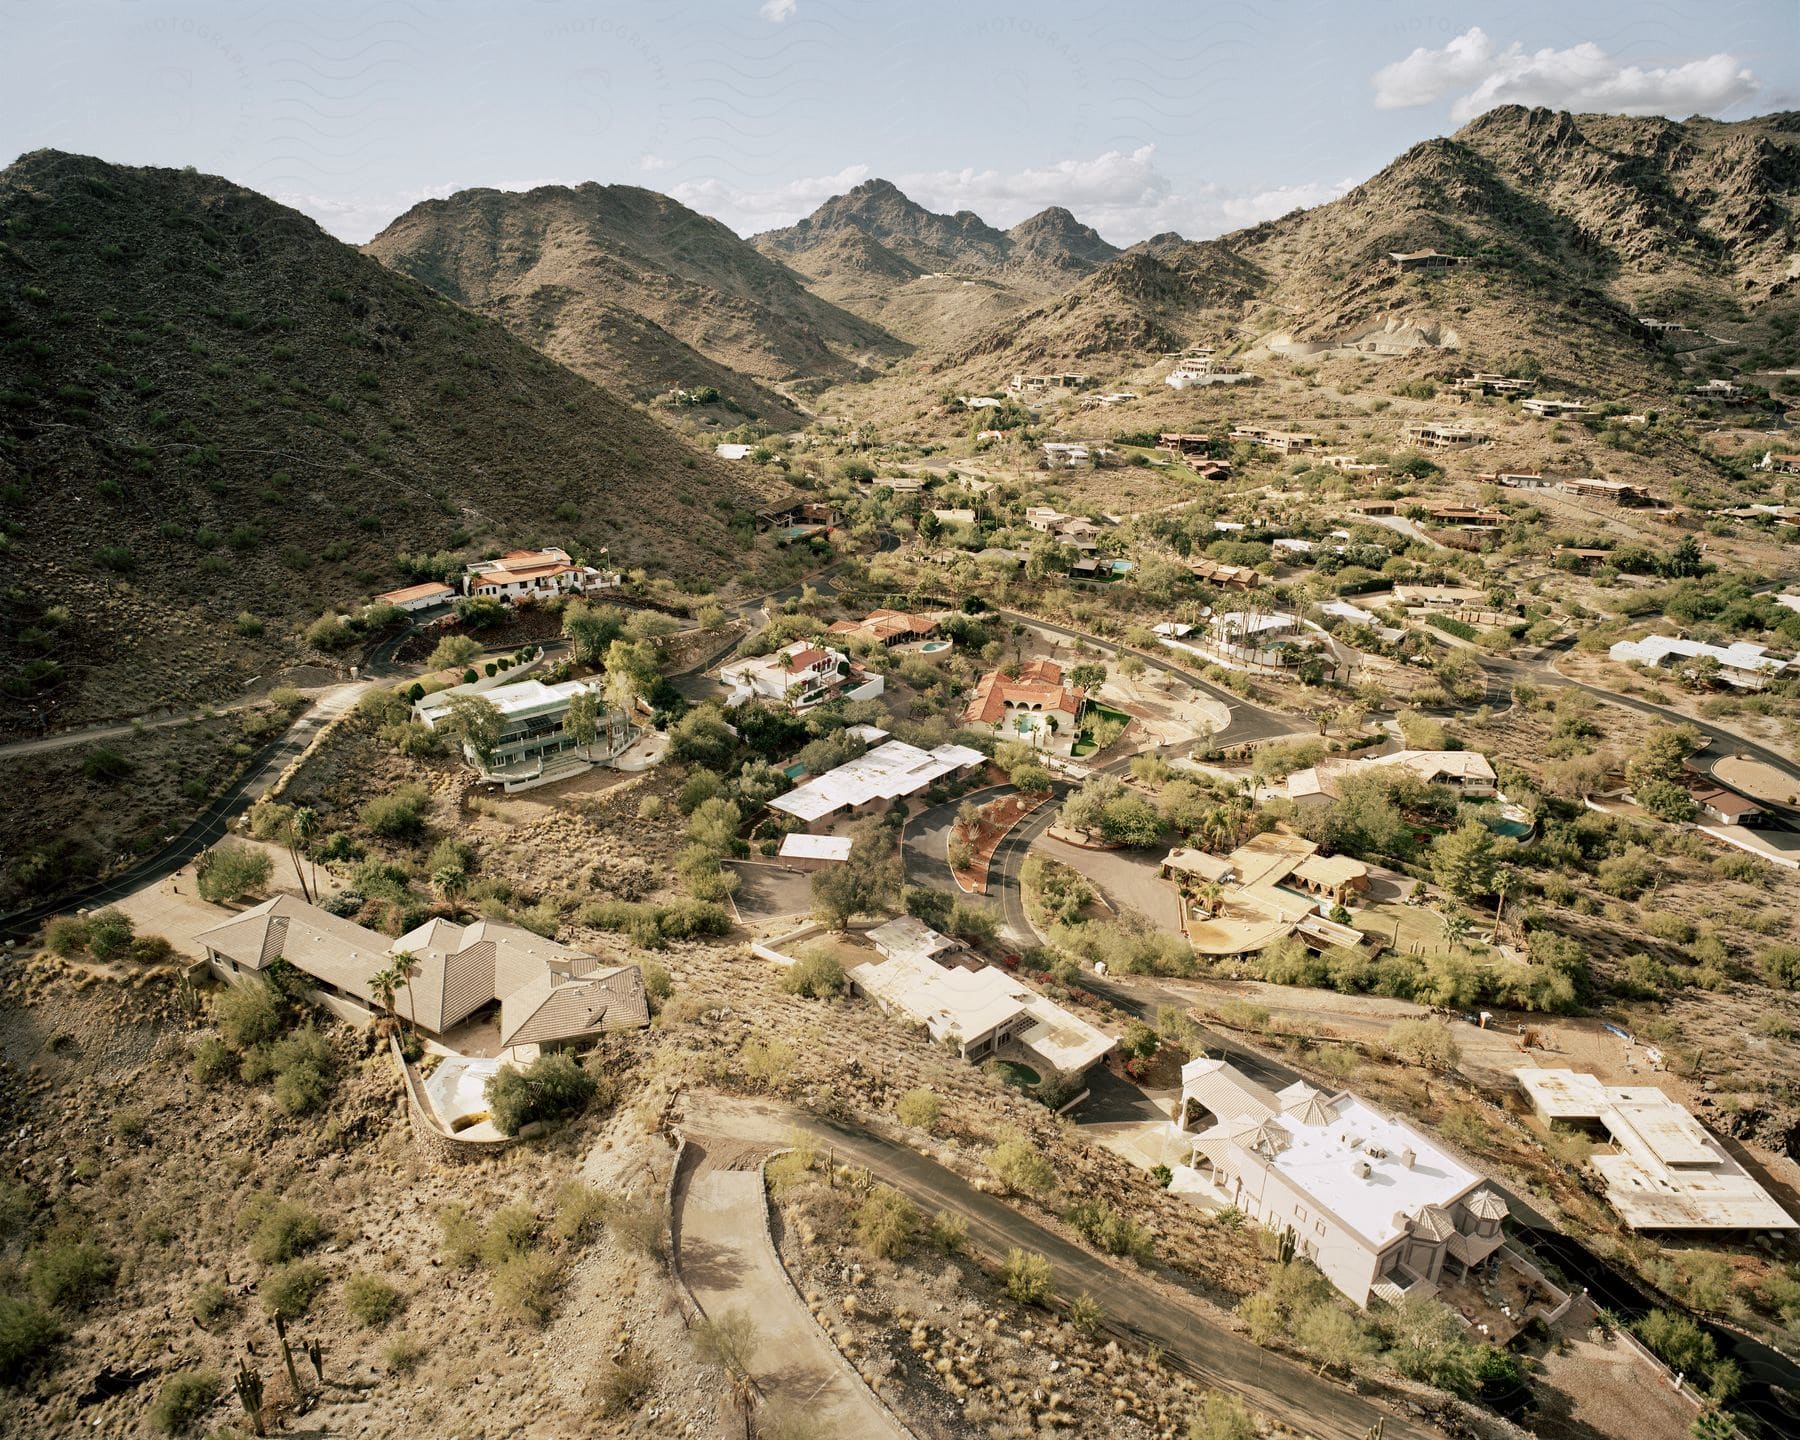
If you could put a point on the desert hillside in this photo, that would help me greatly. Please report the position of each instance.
(218, 421)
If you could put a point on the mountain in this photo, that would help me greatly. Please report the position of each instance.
(1573, 225)
(933, 280)
(637, 292)
(213, 408)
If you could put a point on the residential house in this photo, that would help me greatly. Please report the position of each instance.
(1742, 664)
(1184, 443)
(1663, 1170)
(1552, 409)
(1468, 772)
(413, 598)
(1377, 1205)
(800, 512)
(1718, 805)
(1439, 597)
(1216, 572)
(1046, 518)
(1424, 260)
(1350, 465)
(1484, 383)
(1781, 464)
(1650, 322)
(1067, 455)
(1272, 886)
(1254, 627)
(889, 627)
(1117, 397)
(1461, 517)
(1034, 706)
(726, 450)
(1518, 479)
(1288, 442)
(1440, 435)
(1583, 560)
(1197, 374)
(522, 575)
(545, 995)
(799, 675)
(804, 851)
(954, 516)
(984, 1011)
(535, 744)
(1616, 492)
(871, 783)
(1068, 380)
(1727, 392)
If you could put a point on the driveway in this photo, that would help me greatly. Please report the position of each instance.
(1145, 1309)
(1130, 879)
(767, 892)
(724, 1253)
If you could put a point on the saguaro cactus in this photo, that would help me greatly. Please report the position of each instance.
(249, 1388)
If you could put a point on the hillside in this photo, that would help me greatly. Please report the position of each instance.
(934, 280)
(214, 409)
(635, 291)
(1575, 225)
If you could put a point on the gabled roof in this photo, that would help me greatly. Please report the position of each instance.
(546, 1010)
(1038, 686)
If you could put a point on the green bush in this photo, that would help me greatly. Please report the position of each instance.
(886, 1223)
(459, 1238)
(184, 1398)
(69, 1275)
(282, 1230)
(816, 974)
(1028, 1277)
(212, 1061)
(919, 1108)
(27, 1331)
(371, 1301)
(550, 1087)
(289, 1290)
(401, 1355)
(247, 1014)
(109, 934)
(399, 815)
(227, 871)
(212, 1302)
(66, 935)
(303, 1065)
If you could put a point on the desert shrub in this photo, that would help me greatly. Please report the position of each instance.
(459, 1238)
(27, 1331)
(211, 1061)
(1022, 1166)
(184, 1398)
(66, 935)
(226, 872)
(767, 1063)
(727, 1341)
(886, 1223)
(247, 1014)
(302, 1063)
(399, 815)
(919, 1108)
(525, 1287)
(816, 974)
(69, 1274)
(550, 1087)
(624, 1383)
(1220, 1416)
(109, 934)
(578, 1212)
(1423, 1042)
(212, 1302)
(401, 1355)
(282, 1230)
(948, 1232)
(1780, 965)
(509, 1234)
(1028, 1277)
(1117, 1234)
(371, 1301)
(636, 1222)
(659, 985)
(289, 1290)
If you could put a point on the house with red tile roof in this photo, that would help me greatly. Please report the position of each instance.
(1034, 706)
(889, 627)
(799, 676)
(521, 575)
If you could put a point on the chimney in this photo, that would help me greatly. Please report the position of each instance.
(1360, 1169)
(1407, 1157)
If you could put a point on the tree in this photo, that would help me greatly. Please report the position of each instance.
(551, 1086)
(453, 652)
(1686, 560)
(590, 629)
(1334, 1337)
(305, 825)
(1463, 860)
(228, 871)
(1426, 1042)
(582, 720)
(728, 1341)
(632, 672)
(477, 721)
(930, 528)
(1022, 1166)
(1089, 677)
(862, 885)
(405, 966)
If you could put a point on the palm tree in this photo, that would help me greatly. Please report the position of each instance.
(306, 826)
(384, 983)
(405, 967)
(450, 881)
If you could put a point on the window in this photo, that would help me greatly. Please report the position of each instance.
(1300, 1213)
(1319, 1226)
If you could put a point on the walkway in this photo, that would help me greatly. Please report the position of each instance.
(724, 1253)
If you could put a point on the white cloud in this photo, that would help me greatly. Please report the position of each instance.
(1122, 194)
(649, 163)
(1583, 77)
(775, 11)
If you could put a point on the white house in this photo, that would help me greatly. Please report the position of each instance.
(983, 1010)
(1468, 772)
(1067, 455)
(874, 780)
(798, 675)
(413, 598)
(1549, 409)
(1376, 1205)
(727, 451)
(1747, 666)
(535, 744)
(521, 575)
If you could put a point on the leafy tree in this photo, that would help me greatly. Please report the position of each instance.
(590, 629)
(227, 871)
(549, 1087)
(1090, 676)
(1426, 1042)
(701, 737)
(1335, 1338)
(1661, 756)
(632, 672)
(1463, 860)
(582, 720)
(477, 721)
(454, 652)
(865, 884)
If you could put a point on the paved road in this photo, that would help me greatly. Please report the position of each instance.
(1143, 1312)
(723, 1251)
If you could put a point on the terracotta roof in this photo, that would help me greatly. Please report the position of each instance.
(1038, 685)
(415, 592)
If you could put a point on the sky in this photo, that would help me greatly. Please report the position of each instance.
(1200, 116)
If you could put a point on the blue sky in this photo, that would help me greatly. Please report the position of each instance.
(1198, 116)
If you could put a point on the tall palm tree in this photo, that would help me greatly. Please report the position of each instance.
(306, 826)
(406, 966)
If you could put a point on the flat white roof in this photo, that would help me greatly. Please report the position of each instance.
(1739, 655)
(885, 773)
(801, 846)
(516, 699)
(1668, 1171)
